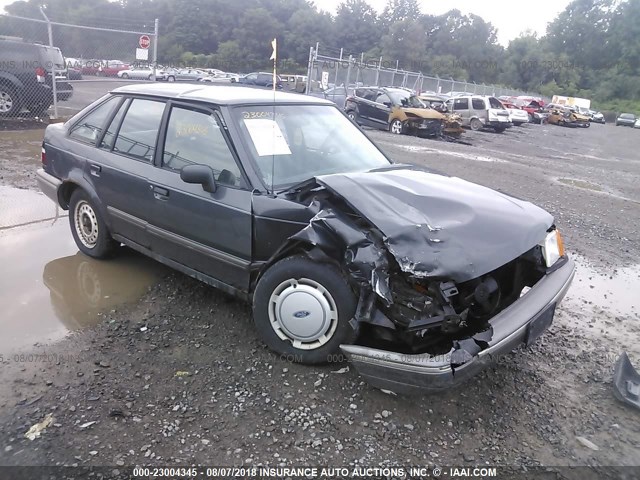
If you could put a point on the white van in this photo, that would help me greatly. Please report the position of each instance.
(480, 112)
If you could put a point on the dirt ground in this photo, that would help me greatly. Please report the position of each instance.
(178, 375)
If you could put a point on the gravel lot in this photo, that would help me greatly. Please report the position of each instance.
(180, 377)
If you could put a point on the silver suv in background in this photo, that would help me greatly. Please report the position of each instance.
(480, 112)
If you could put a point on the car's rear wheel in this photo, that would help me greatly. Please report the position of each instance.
(353, 115)
(88, 227)
(476, 124)
(302, 309)
(125, 75)
(396, 127)
(9, 104)
(171, 79)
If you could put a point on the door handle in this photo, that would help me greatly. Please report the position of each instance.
(160, 193)
(95, 169)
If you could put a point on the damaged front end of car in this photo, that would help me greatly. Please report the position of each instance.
(448, 274)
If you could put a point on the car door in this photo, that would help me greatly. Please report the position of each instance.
(381, 110)
(366, 105)
(460, 105)
(209, 232)
(118, 168)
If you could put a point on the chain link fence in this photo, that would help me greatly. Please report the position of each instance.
(326, 70)
(86, 62)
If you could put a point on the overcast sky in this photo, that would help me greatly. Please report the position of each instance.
(510, 17)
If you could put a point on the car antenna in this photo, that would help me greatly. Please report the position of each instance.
(274, 57)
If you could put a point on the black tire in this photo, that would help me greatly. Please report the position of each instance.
(150, 77)
(125, 75)
(9, 101)
(304, 273)
(171, 78)
(81, 207)
(531, 120)
(353, 115)
(475, 124)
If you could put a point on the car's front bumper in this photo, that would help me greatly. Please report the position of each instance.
(515, 325)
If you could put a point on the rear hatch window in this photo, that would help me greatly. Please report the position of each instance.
(51, 57)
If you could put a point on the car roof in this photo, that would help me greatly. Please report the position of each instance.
(219, 94)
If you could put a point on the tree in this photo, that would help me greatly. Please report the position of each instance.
(356, 26)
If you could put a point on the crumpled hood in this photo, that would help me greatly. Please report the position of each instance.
(439, 226)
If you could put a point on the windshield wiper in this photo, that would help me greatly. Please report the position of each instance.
(297, 187)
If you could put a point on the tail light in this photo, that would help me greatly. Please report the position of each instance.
(43, 156)
(41, 74)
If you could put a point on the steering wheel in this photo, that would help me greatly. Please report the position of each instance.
(329, 145)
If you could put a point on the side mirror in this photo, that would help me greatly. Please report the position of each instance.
(201, 174)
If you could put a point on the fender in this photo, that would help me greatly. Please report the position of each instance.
(12, 81)
(78, 179)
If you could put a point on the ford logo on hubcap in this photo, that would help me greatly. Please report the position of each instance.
(301, 314)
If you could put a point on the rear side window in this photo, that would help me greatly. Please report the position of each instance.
(460, 103)
(195, 138)
(478, 104)
(495, 103)
(112, 130)
(89, 128)
(139, 130)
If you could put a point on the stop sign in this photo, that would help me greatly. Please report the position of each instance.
(144, 41)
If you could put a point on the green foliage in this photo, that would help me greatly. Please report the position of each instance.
(592, 48)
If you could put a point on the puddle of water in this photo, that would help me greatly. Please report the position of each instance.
(615, 292)
(604, 305)
(21, 207)
(48, 288)
(581, 184)
(466, 156)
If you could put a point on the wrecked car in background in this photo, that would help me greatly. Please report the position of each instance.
(419, 278)
(397, 110)
(567, 117)
(452, 122)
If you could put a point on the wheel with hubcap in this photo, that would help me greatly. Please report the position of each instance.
(171, 79)
(302, 309)
(87, 226)
(476, 124)
(396, 127)
(9, 105)
(353, 115)
(125, 75)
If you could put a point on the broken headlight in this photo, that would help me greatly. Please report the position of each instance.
(552, 247)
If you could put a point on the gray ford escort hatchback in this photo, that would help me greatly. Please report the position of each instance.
(418, 278)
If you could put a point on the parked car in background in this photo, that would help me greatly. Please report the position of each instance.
(394, 109)
(74, 73)
(337, 95)
(103, 68)
(478, 112)
(185, 75)
(141, 73)
(567, 117)
(27, 76)
(597, 117)
(626, 120)
(260, 79)
(284, 203)
(516, 114)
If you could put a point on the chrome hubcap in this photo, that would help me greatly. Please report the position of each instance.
(86, 224)
(6, 102)
(303, 312)
(396, 127)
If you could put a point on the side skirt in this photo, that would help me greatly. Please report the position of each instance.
(181, 268)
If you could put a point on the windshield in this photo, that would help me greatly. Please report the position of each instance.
(405, 98)
(304, 141)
